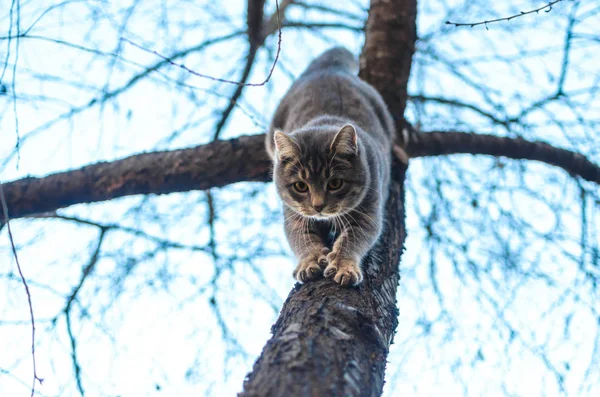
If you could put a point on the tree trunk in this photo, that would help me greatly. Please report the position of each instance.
(330, 340)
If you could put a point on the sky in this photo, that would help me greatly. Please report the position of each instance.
(493, 302)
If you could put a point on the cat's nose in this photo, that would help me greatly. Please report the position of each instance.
(319, 207)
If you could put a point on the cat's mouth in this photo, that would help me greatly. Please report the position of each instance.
(321, 216)
(318, 215)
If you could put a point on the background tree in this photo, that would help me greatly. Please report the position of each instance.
(499, 278)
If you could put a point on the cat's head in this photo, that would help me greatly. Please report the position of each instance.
(319, 172)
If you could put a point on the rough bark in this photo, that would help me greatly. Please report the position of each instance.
(386, 58)
(243, 159)
(333, 341)
(216, 164)
(438, 143)
(330, 340)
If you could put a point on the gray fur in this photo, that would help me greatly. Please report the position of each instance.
(331, 126)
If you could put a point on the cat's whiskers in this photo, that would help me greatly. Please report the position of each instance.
(297, 221)
(301, 229)
(340, 239)
(305, 233)
(334, 223)
(364, 213)
(356, 223)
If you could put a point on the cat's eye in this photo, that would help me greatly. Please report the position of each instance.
(301, 187)
(334, 184)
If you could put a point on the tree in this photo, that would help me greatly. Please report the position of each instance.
(324, 332)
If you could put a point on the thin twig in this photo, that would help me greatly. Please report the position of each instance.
(252, 50)
(74, 354)
(205, 76)
(24, 281)
(546, 8)
(14, 83)
(87, 270)
(459, 103)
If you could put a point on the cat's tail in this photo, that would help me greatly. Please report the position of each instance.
(337, 58)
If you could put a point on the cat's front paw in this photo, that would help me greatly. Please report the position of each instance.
(311, 265)
(344, 271)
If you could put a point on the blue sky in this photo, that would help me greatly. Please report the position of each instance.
(495, 301)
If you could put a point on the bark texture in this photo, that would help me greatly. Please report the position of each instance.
(386, 58)
(330, 340)
(243, 159)
(448, 142)
(216, 164)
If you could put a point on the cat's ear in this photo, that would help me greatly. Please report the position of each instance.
(345, 141)
(285, 146)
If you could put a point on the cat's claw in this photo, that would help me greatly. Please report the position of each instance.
(311, 266)
(307, 271)
(322, 261)
(345, 272)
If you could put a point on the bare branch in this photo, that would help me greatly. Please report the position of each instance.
(87, 270)
(106, 96)
(215, 164)
(388, 70)
(254, 21)
(438, 143)
(4, 205)
(204, 76)
(322, 25)
(255, 44)
(244, 159)
(462, 104)
(546, 8)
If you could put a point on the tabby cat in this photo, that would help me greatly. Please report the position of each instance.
(330, 140)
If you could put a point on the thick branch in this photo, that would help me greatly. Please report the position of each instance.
(243, 159)
(443, 143)
(216, 164)
(333, 341)
(387, 56)
(254, 20)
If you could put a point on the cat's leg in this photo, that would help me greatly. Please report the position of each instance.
(359, 231)
(306, 240)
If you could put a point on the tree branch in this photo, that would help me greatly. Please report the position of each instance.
(87, 270)
(386, 58)
(337, 339)
(547, 8)
(215, 164)
(461, 104)
(243, 159)
(439, 143)
(254, 20)
(256, 38)
(4, 206)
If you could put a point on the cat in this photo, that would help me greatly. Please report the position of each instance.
(331, 142)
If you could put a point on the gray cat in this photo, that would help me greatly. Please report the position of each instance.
(331, 140)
